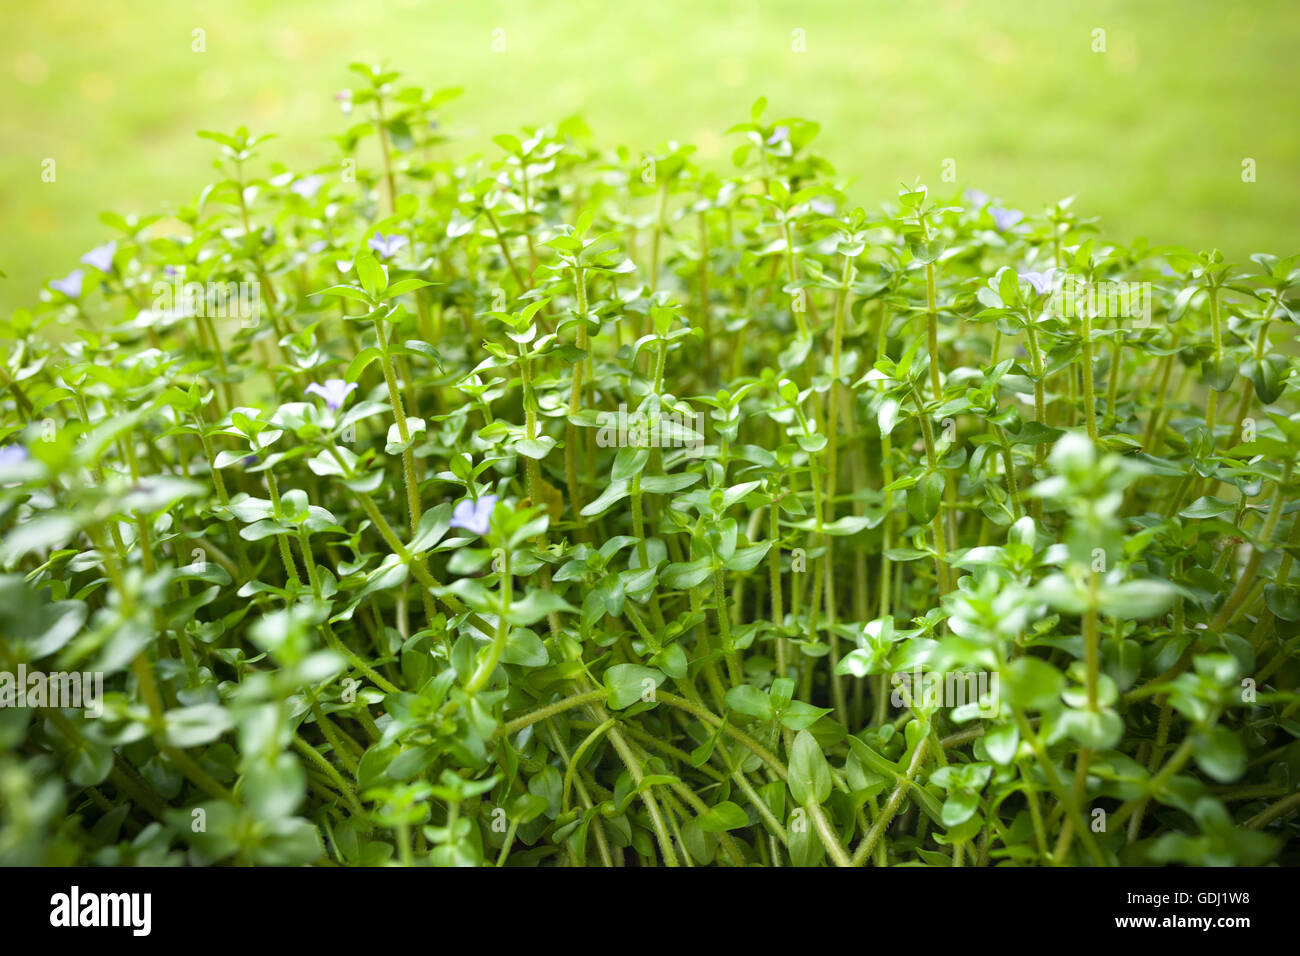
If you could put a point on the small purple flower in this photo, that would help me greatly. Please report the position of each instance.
(308, 186)
(474, 515)
(11, 455)
(977, 197)
(344, 99)
(1041, 281)
(779, 135)
(70, 286)
(101, 257)
(171, 271)
(334, 391)
(1004, 219)
(386, 246)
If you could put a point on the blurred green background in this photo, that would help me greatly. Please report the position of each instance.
(1150, 134)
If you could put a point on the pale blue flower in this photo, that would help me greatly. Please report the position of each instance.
(474, 515)
(387, 246)
(101, 257)
(779, 135)
(977, 197)
(1041, 281)
(1004, 219)
(335, 391)
(70, 286)
(11, 455)
(308, 186)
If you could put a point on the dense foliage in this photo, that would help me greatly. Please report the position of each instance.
(576, 507)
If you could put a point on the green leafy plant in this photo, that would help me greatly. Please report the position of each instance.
(573, 507)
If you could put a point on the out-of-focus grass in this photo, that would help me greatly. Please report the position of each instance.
(1150, 135)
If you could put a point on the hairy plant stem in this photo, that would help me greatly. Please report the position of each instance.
(489, 664)
(1089, 394)
(832, 449)
(936, 524)
(932, 331)
(575, 400)
(1216, 327)
(774, 575)
(1247, 580)
(886, 816)
(409, 472)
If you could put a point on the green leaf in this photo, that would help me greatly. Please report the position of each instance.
(630, 683)
(1098, 730)
(433, 526)
(536, 605)
(746, 559)
(525, 649)
(750, 701)
(196, 725)
(806, 848)
(526, 807)
(1269, 377)
(273, 790)
(1032, 684)
(537, 448)
(614, 492)
(371, 274)
(1207, 507)
(724, 816)
(687, 575)
(346, 292)
(629, 462)
(923, 501)
(1219, 753)
(89, 763)
(800, 716)
(959, 807)
(1136, 600)
(809, 773)
(359, 364)
(44, 531)
(1002, 742)
(403, 286)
